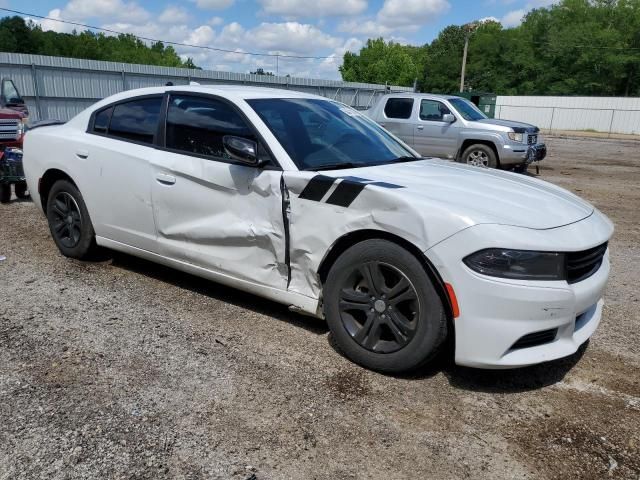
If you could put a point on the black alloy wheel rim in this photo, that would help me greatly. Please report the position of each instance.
(379, 307)
(67, 220)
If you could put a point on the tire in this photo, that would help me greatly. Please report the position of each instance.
(69, 221)
(5, 192)
(392, 325)
(479, 155)
(21, 190)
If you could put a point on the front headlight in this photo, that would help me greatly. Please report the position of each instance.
(518, 264)
(516, 137)
(22, 127)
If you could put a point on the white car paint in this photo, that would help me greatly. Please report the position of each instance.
(225, 222)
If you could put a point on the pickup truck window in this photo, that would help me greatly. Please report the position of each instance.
(10, 92)
(197, 125)
(399, 108)
(136, 120)
(432, 110)
(467, 110)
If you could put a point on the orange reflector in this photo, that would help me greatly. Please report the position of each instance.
(453, 300)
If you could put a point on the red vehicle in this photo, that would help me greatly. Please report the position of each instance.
(13, 120)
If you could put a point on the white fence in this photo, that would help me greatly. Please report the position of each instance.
(600, 114)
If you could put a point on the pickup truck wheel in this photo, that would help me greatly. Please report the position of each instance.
(480, 155)
(21, 189)
(382, 308)
(69, 221)
(5, 192)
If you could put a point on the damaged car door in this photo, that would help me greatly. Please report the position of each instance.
(211, 210)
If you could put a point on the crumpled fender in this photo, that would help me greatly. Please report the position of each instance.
(325, 207)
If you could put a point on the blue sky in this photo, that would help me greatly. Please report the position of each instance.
(288, 27)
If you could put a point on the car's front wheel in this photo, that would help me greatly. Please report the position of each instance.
(69, 221)
(382, 308)
(480, 155)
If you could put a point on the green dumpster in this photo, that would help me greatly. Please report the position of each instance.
(484, 101)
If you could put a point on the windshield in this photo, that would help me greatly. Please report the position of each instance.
(322, 134)
(466, 109)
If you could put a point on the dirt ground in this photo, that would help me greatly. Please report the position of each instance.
(122, 369)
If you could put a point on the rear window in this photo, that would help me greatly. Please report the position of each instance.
(136, 120)
(399, 108)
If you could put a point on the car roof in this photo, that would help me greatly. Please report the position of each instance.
(237, 92)
(421, 95)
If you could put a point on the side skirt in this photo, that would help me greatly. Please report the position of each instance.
(295, 301)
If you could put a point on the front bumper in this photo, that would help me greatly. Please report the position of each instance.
(496, 313)
(518, 154)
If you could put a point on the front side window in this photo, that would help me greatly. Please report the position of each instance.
(10, 92)
(197, 125)
(432, 110)
(136, 120)
(322, 134)
(467, 110)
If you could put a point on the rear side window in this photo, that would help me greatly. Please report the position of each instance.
(101, 121)
(197, 125)
(398, 108)
(136, 120)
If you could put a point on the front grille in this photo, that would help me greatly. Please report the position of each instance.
(8, 129)
(532, 139)
(581, 265)
(535, 339)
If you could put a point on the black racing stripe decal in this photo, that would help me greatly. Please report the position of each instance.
(345, 193)
(317, 187)
(386, 185)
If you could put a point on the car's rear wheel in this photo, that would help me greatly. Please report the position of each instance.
(5, 192)
(69, 221)
(480, 155)
(382, 308)
(21, 189)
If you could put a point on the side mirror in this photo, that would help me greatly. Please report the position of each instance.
(241, 149)
(16, 101)
(449, 118)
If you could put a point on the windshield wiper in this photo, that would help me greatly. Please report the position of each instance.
(335, 166)
(406, 159)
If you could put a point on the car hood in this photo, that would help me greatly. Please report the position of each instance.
(474, 195)
(509, 124)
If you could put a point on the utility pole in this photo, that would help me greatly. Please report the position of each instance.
(469, 28)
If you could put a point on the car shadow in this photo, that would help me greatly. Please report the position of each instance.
(463, 378)
(212, 290)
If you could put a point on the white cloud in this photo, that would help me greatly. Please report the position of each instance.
(513, 18)
(313, 8)
(291, 37)
(216, 21)
(201, 36)
(488, 19)
(174, 15)
(214, 4)
(105, 10)
(411, 13)
(368, 28)
(52, 25)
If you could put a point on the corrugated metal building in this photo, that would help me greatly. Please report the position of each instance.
(59, 88)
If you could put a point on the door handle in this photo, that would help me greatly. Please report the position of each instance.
(420, 127)
(84, 154)
(166, 179)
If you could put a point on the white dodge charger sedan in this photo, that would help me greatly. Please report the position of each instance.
(303, 200)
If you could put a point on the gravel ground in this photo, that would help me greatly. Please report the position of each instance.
(123, 369)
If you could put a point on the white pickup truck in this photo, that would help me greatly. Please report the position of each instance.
(452, 127)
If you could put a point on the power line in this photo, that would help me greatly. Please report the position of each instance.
(214, 49)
